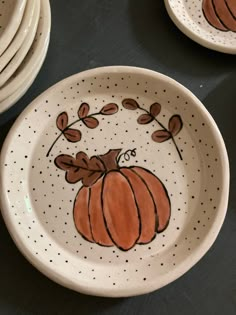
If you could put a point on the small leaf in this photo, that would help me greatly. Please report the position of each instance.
(82, 160)
(83, 110)
(145, 119)
(175, 124)
(155, 109)
(62, 121)
(72, 135)
(91, 122)
(64, 162)
(130, 103)
(96, 164)
(161, 136)
(109, 109)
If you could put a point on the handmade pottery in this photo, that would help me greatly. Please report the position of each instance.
(115, 181)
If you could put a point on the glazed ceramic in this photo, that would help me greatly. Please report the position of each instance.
(13, 98)
(211, 23)
(115, 181)
(16, 61)
(34, 54)
(11, 12)
(24, 28)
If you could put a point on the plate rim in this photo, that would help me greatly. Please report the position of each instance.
(22, 90)
(16, 61)
(20, 35)
(194, 36)
(189, 262)
(12, 85)
(11, 29)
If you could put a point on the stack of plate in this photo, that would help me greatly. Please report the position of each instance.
(24, 37)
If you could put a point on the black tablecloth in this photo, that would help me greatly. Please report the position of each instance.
(92, 33)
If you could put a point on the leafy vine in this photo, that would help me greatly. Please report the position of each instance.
(174, 126)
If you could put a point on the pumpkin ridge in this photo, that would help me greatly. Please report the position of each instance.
(83, 236)
(218, 16)
(90, 225)
(95, 240)
(214, 7)
(232, 7)
(156, 219)
(228, 7)
(220, 27)
(108, 231)
(167, 195)
(139, 217)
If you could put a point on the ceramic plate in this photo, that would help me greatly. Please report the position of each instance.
(114, 181)
(34, 54)
(17, 59)
(13, 98)
(26, 24)
(211, 23)
(11, 13)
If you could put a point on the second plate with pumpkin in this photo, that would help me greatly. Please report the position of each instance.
(211, 23)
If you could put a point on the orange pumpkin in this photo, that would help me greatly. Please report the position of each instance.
(221, 14)
(127, 205)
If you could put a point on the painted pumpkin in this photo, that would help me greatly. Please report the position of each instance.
(124, 207)
(221, 14)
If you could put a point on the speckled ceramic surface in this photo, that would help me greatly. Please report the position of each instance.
(25, 26)
(34, 54)
(115, 181)
(211, 23)
(17, 59)
(11, 12)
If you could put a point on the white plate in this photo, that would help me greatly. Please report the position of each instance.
(34, 54)
(16, 61)
(166, 140)
(13, 98)
(196, 19)
(11, 12)
(25, 26)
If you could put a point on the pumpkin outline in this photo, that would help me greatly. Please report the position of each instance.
(137, 206)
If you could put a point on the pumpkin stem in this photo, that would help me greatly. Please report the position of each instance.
(110, 159)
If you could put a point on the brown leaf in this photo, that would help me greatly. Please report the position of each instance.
(145, 119)
(62, 121)
(80, 168)
(64, 162)
(130, 103)
(175, 124)
(82, 159)
(109, 109)
(155, 109)
(72, 135)
(91, 178)
(161, 136)
(96, 164)
(83, 110)
(91, 122)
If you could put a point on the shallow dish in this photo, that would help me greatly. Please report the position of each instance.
(211, 23)
(17, 59)
(114, 181)
(23, 30)
(10, 19)
(34, 54)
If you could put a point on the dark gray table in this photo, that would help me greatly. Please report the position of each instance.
(93, 33)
